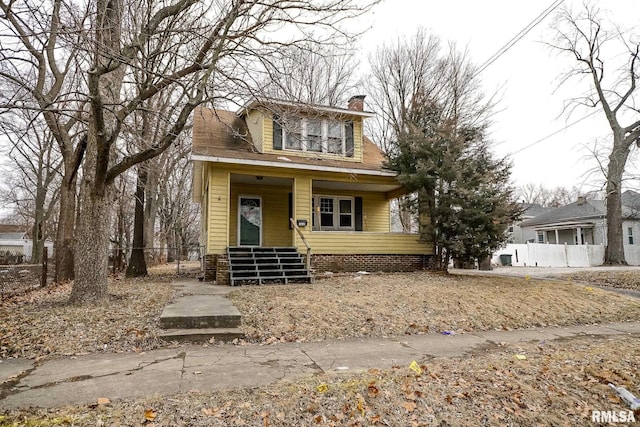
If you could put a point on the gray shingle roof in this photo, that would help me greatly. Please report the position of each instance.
(631, 199)
(532, 210)
(577, 211)
(11, 236)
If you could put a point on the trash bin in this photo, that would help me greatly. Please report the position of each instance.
(505, 259)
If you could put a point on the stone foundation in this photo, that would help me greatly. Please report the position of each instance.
(210, 267)
(388, 263)
(222, 270)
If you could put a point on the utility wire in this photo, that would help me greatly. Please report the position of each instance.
(544, 138)
(537, 20)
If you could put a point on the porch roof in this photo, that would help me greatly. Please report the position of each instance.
(223, 136)
(565, 226)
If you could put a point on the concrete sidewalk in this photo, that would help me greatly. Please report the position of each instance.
(83, 379)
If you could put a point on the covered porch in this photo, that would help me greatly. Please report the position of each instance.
(579, 233)
(343, 218)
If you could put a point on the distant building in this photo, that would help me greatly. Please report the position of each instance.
(517, 234)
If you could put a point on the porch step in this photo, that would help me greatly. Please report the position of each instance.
(202, 335)
(200, 311)
(258, 265)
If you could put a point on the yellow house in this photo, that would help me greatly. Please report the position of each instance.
(280, 174)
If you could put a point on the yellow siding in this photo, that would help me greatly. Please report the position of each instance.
(255, 121)
(266, 136)
(339, 242)
(267, 132)
(357, 141)
(218, 211)
(275, 209)
(302, 207)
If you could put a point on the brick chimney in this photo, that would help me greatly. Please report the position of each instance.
(582, 200)
(356, 103)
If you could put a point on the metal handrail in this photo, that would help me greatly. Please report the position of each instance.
(295, 226)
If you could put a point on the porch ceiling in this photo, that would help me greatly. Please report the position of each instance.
(355, 186)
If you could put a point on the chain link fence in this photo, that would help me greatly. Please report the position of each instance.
(164, 261)
(19, 274)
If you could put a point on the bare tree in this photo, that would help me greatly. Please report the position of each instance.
(549, 197)
(312, 74)
(35, 183)
(206, 51)
(586, 36)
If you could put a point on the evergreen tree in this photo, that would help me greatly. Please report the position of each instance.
(465, 201)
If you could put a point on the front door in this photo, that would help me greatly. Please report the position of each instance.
(250, 221)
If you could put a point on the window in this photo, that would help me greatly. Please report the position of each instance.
(332, 213)
(346, 213)
(630, 232)
(293, 134)
(540, 237)
(334, 137)
(316, 135)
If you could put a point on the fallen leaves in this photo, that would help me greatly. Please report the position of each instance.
(418, 303)
(41, 323)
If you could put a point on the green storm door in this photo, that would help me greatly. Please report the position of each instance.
(250, 221)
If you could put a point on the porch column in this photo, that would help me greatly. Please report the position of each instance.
(301, 208)
(557, 237)
(218, 212)
(579, 235)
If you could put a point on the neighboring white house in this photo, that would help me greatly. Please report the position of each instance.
(16, 247)
(517, 234)
(575, 235)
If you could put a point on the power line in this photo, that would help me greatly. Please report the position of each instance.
(544, 138)
(538, 19)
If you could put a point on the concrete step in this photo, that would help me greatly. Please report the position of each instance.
(201, 335)
(200, 311)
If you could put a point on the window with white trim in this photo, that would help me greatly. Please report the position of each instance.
(333, 213)
(540, 236)
(313, 134)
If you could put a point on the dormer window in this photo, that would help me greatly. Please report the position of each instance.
(313, 135)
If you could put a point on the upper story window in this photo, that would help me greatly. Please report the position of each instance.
(313, 135)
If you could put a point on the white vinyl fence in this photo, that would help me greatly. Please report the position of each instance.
(546, 255)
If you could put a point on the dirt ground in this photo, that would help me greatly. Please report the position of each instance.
(538, 383)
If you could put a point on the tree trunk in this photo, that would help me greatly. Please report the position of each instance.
(150, 208)
(614, 254)
(137, 264)
(92, 246)
(64, 259)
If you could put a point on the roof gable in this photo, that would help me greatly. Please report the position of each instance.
(220, 135)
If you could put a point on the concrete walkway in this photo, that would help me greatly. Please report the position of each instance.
(84, 379)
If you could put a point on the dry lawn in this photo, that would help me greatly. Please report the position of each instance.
(41, 323)
(396, 304)
(555, 383)
(559, 383)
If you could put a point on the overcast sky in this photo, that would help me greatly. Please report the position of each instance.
(526, 75)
